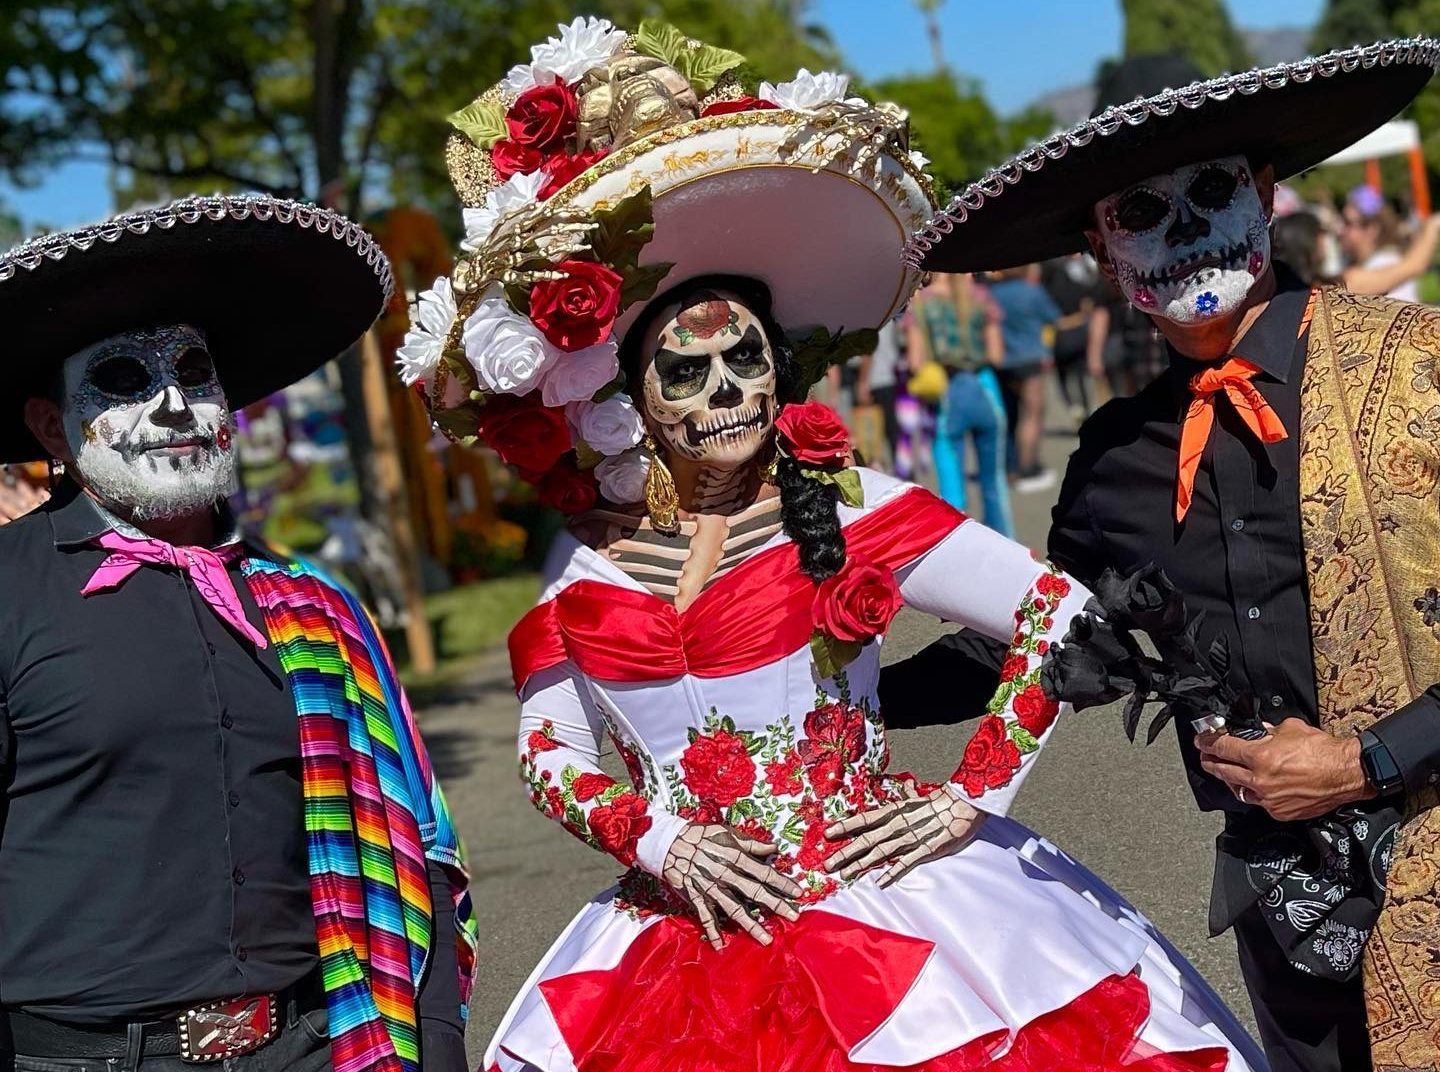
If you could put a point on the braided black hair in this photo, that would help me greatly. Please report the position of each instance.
(808, 508)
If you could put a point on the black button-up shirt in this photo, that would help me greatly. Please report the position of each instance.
(152, 852)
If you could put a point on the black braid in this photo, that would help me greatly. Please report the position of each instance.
(808, 509)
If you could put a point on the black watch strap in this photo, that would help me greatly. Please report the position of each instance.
(1381, 770)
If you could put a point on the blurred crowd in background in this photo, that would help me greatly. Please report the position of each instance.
(960, 383)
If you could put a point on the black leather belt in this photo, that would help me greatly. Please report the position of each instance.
(38, 1036)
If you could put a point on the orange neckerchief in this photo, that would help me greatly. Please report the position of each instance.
(1233, 378)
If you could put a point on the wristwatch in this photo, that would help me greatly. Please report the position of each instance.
(1381, 770)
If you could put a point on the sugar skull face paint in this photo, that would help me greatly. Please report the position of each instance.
(1188, 245)
(148, 423)
(709, 386)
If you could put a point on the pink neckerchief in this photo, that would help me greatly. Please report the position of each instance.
(206, 569)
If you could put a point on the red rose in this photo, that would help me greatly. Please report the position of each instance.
(617, 826)
(833, 727)
(511, 158)
(827, 774)
(1013, 667)
(784, 775)
(755, 830)
(537, 742)
(739, 104)
(814, 434)
(1053, 585)
(542, 118)
(990, 759)
(554, 802)
(578, 309)
(718, 769)
(705, 813)
(858, 603)
(560, 169)
(524, 433)
(816, 848)
(1034, 710)
(590, 785)
(633, 766)
(568, 489)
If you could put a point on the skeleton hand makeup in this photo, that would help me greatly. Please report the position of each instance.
(148, 423)
(709, 387)
(1188, 245)
(903, 833)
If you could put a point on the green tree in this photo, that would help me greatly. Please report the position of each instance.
(1199, 30)
(1353, 22)
(950, 122)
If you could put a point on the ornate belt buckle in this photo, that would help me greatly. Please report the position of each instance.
(227, 1028)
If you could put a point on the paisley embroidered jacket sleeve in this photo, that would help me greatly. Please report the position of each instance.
(988, 583)
(560, 734)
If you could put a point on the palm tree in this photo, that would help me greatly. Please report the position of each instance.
(930, 9)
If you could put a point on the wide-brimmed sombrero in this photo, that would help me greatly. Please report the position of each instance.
(616, 166)
(1290, 116)
(278, 287)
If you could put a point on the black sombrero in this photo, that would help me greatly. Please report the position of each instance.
(279, 288)
(1291, 116)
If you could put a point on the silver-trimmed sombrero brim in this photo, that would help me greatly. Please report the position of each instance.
(1292, 116)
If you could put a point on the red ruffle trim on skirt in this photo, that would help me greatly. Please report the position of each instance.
(673, 1004)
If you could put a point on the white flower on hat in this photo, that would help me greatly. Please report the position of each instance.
(806, 92)
(430, 319)
(507, 351)
(610, 427)
(622, 477)
(583, 44)
(919, 159)
(579, 374)
(514, 193)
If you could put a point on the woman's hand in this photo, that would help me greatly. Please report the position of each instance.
(904, 833)
(721, 874)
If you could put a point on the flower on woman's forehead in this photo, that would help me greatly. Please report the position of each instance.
(430, 321)
(515, 193)
(806, 92)
(583, 43)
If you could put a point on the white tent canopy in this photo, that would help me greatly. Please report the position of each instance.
(1395, 138)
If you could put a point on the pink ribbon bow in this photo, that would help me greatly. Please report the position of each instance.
(206, 570)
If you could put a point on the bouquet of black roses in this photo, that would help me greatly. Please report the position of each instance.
(1100, 661)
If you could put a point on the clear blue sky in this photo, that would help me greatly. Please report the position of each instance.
(1018, 49)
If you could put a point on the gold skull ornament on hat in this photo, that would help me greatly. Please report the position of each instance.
(629, 98)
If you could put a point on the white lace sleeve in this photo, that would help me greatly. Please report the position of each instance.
(982, 580)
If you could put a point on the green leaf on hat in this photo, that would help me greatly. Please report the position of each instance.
(657, 38)
(461, 369)
(621, 232)
(816, 352)
(831, 655)
(845, 481)
(483, 122)
(461, 424)
(702, 65)
(641, 282)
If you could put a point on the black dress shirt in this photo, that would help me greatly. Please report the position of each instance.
(152, 835)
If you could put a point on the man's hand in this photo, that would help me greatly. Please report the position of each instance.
(904, 833)
(721, 874)
(1296, 772)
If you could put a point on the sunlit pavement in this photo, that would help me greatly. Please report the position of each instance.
(1123, 810)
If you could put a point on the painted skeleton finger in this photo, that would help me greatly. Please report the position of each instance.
(766, 875)
(703, 912)
(740, 915)
(754, 891)
(876, 852)
(901, 867)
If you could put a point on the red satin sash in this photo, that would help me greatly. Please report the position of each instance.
(756, 614)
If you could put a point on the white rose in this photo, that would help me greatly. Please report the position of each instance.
(806, 92)
(509, 354)
(514, 193)
(430, 319)
(582, 45)
(576, 376)
(919, 159)
(622, 478)
(610, 427)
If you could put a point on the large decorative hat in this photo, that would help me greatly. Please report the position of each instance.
(278, 287)
(616, 165)
(1290, 116)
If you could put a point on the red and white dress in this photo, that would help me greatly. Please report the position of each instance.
(1006, 954)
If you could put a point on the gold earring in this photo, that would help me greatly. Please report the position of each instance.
(661, 498)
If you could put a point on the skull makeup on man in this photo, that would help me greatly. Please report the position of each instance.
(1188, 245)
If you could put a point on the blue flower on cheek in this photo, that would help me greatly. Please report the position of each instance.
(1206, 303)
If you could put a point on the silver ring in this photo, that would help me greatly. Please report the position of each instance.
(1240, 794)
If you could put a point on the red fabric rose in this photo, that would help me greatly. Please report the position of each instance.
(858, 603)
(1034, 710)
(704, 813)
(739, 104)
(560, 169)
(1053, 586)
(542, 117)
(524, 433)
(554, 802)
(990, 759)
(827, 774)
(617, 826)
(718, 769)
(814, 434)
(590, 785)
(836, 728)
(511, 158)
(537, 742)
(784, 775)
(816, 848)
(1013, 667)
(633, 766)
(755, 830)
(568, 489)
(579, 309)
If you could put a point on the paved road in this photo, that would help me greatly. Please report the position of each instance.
(1121, 809)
